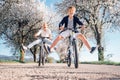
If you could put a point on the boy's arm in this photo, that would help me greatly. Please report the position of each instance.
(82, 27)
(61, 27)
(80, 23)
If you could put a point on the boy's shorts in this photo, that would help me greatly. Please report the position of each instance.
(67, 33)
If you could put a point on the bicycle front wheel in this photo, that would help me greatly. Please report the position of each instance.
(69, 59)
(75, 52)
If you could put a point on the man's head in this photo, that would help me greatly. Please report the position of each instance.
(44, 26)
(71, 10)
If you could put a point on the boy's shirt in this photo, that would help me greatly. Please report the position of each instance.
(65, 21)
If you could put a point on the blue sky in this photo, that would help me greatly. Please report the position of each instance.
(51, 2)
(112, 45)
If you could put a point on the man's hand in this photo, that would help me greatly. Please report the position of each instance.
(50, 37)
(35, 35)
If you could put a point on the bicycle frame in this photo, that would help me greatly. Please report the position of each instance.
(72, 49)
(43, 52)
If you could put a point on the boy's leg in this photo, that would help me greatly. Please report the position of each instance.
(62, 35)
(84, 40)
(56, 41)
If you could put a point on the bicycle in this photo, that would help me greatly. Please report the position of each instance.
(43, 52)
(72, 49)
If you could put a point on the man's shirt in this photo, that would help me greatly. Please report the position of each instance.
(43, 33)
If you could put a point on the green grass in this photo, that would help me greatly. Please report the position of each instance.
(94, 62)
(10, 61)
(102, 62)
(15, 61)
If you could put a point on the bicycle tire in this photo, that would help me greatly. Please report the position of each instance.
(69, 59)
(75, 54)
(43, 55)
(40, 57)
(43, 58)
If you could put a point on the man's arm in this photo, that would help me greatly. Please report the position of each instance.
(37, 34)
(50, 34)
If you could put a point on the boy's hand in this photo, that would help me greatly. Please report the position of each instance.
(82, 28)
(61, 28)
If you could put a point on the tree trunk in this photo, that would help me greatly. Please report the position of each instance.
(21, 55)
(34, 56)
(100, 53)
(98, 36)
(100, 48)
(34, 52)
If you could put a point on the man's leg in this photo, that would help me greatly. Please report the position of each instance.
(31, 44)
(34, 43)
(48, 41)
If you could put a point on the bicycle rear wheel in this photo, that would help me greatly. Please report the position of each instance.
(75, 52)
(43, 55)
(43, 58)
(40, 57)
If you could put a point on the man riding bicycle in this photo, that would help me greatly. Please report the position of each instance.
(70, 21)
(44, 32)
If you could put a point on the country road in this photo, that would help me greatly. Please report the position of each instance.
(54, 71)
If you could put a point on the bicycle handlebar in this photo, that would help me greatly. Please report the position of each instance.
(41, 37)
(72, 29)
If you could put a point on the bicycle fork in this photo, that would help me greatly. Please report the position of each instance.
(70, 47)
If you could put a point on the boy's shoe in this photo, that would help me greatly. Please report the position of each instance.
(24, 47)
(92, 49)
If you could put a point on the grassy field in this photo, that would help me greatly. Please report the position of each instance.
(94, 62)
(102, 62)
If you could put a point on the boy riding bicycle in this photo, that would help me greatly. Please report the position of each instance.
(70, 21)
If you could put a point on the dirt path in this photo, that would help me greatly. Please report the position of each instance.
(31, 71)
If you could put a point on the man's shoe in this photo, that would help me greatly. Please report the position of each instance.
(55, 48)
(24, 47)
(49, 50)
(92, 49)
